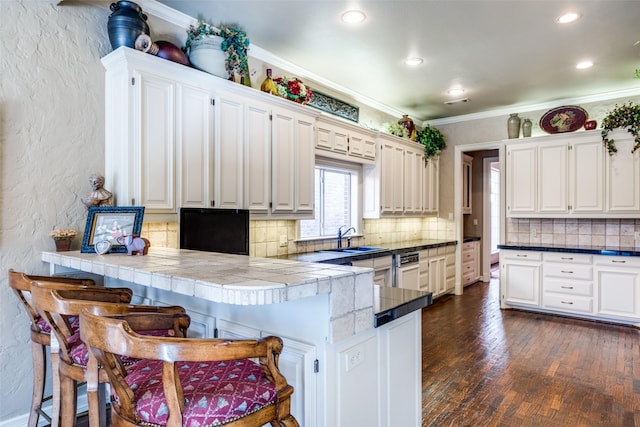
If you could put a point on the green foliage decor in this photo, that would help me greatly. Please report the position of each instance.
(234, 44)
(623, 116)
(432, 140)
(396, 129)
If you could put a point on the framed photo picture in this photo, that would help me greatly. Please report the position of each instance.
(107, 223)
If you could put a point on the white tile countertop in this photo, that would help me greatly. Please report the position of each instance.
(237, 279)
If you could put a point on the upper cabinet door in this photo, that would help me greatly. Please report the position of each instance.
(194, 133)
(257, 162)
(623, 177)
(521, 179)
(228, 152)
(155, 141)
(586, 180)
(553, 179)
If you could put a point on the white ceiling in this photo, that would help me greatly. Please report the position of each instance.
(506, 53)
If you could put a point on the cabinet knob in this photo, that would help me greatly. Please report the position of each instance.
(566, 287)
(567, 302)
(566, 271)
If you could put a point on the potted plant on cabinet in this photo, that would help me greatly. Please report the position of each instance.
(209, 48)
(623, 116)
(433, 141)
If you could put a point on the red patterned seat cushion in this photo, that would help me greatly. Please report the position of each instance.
(215, 392)
(44, 327)
(80, 354)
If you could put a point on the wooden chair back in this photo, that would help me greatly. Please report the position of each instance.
(112, 337)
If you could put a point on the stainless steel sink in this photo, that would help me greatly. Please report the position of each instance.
(355, 249)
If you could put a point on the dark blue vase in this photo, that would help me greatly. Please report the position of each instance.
(125, 24)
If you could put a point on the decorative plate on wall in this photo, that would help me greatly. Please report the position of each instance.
(563, 119)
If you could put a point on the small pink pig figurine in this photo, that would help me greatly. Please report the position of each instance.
(135, 245)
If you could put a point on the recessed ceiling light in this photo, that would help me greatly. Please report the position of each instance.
(413, 61)
(584, 64)
(455, 91)
(353, 16)
(567, 17)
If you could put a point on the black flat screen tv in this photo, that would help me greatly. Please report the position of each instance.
(215, 230)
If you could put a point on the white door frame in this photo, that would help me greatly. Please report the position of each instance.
(457, 204)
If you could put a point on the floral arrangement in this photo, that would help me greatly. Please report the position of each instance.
(432, 140)
(235, 44)
(624, 116)
(63, 234)
(397, 130)
(292, 88)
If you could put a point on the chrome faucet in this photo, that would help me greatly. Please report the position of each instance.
(342, 234)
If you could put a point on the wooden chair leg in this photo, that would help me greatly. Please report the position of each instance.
(68, 401)
(55, 387)
(39, 374)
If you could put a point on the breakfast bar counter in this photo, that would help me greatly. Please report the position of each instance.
(349, 345)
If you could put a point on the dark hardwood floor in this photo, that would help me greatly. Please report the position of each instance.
(483, 366)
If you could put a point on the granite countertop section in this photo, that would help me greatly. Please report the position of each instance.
(326, 256)
(392, 303)
(580, 249)
(471, 239)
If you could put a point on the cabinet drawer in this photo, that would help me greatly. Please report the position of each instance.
(468, 266)
(521, 255)
(618, 261)
(469, 277)
(467, 256)
(569, 287)
(568, 258)
(567, 303)
(570, 271)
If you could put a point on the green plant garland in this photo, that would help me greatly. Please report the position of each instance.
(432, 140)
(624, 116)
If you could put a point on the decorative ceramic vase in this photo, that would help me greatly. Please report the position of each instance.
(62, 245)
(162, 49)
(513, 126)
(590, 124)
(526, 128)
(207, 55)
(125, 24)
(407, 123)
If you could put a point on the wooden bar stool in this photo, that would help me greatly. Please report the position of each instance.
(187, 381)
(55, 303)
(40, 335)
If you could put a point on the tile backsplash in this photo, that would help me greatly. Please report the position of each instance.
(574, 232)
(277, 238)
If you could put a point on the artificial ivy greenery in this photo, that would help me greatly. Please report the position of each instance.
(432, 140)
(624, 116)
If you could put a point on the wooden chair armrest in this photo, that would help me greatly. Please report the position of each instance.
(98, 294)
(149, 321)
(61, 279)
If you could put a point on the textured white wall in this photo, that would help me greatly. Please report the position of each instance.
(52, 130)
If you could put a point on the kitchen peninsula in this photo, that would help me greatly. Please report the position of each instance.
(340, 365)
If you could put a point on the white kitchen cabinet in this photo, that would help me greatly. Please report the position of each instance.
(194, 132)
(586, 176)
(470, 262)
(522, 179)
(340, 140)
(618, 287)
(438, 270)
(552, 178)
(520, 277)
(296, 363)
(567, 283)
(400, 345)
(292, 162)
(176, 136)
(623, 177)
(572, 176)
(597, 287)
(430, 185)
(413, 170)
(467, 187)
(400, 183)
(228, 154)
(257, 160)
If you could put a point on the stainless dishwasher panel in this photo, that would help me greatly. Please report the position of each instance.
(407, 271)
